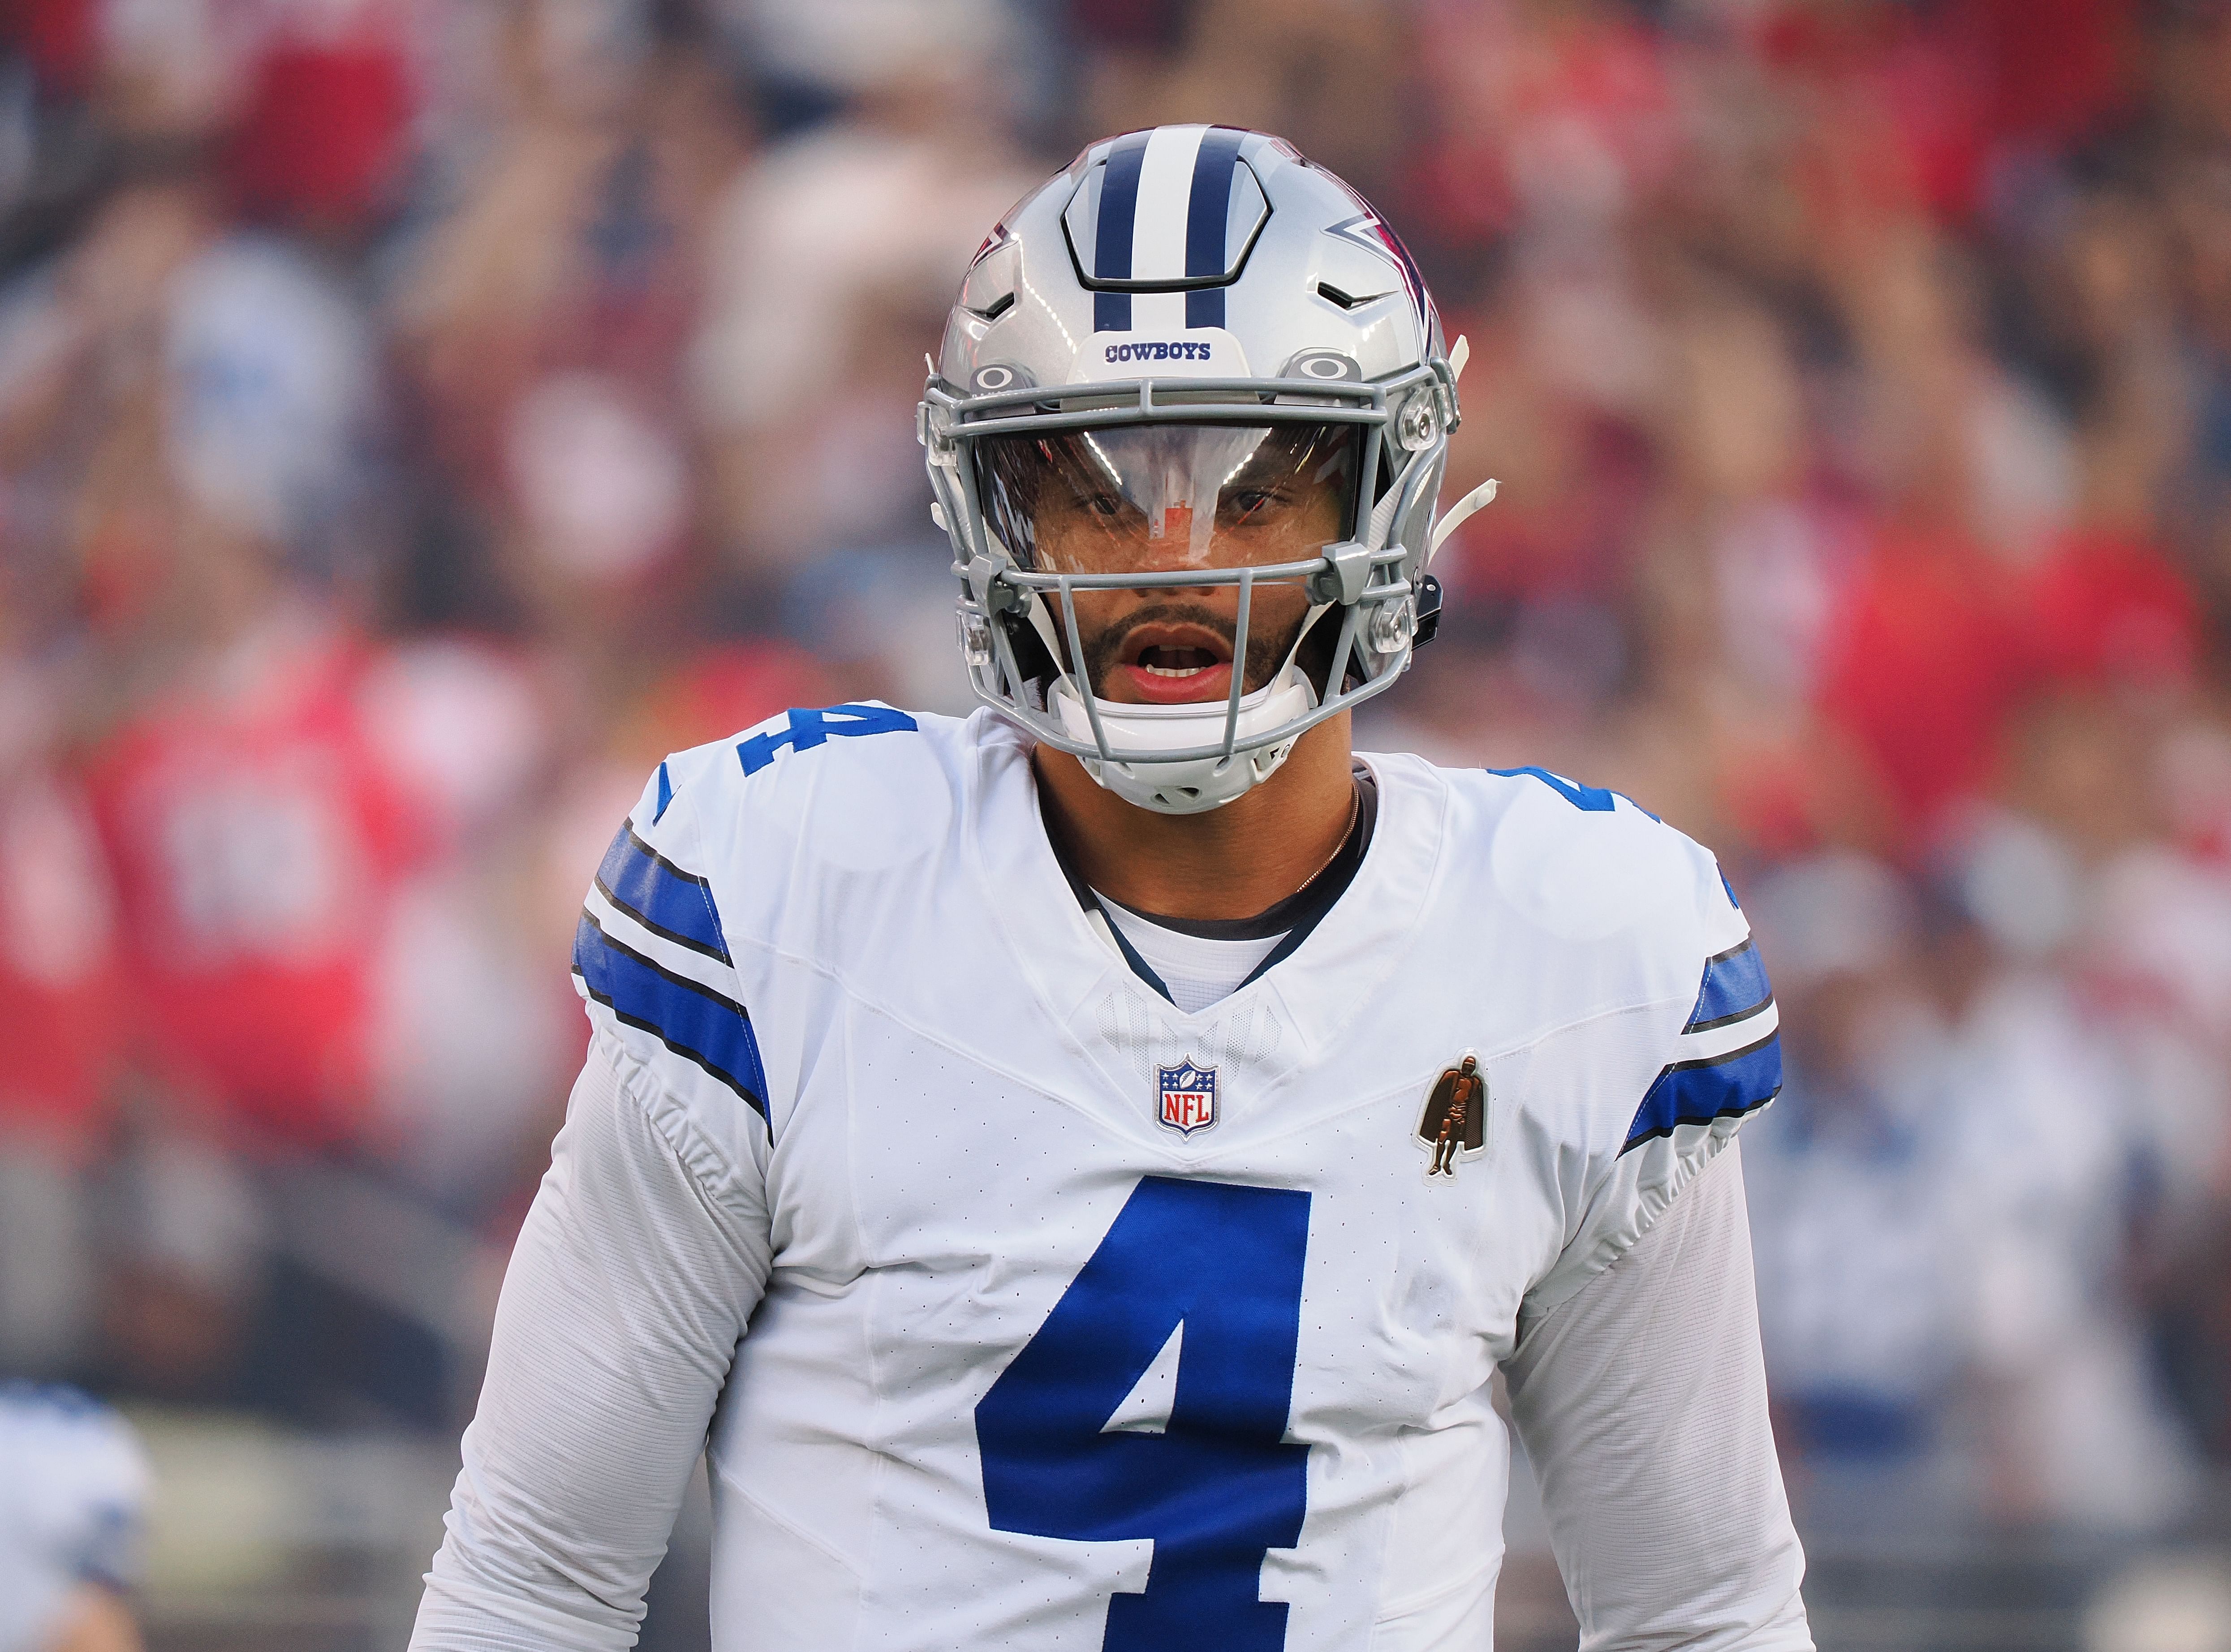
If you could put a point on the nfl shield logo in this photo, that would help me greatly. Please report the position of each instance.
(1188, 1096)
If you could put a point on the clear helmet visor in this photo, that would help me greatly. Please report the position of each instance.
(1169, 497)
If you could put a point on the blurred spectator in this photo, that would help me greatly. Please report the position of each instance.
(58, 965)
(1858, 1205)
(72, 1513)
(829, 273)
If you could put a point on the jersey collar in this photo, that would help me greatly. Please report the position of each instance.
(1289, 920)
(1357, 940)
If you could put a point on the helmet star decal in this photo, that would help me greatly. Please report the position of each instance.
(1000, 236)
(1368, 230)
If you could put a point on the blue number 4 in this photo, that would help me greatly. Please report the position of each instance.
(1593, 800)
(1220, 1485)
(808, 728)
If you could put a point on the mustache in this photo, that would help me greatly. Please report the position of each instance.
(1265, 654)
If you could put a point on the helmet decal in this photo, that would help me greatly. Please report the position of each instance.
(1000, 236)
(1173, 209)
(1366, 228)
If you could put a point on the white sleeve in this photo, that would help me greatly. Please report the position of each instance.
(1641, 1400)
(643, 1258)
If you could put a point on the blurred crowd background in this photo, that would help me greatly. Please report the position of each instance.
(416, 417)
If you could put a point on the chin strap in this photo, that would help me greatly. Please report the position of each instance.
(1459, 513)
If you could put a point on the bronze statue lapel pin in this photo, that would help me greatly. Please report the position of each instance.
(1454, 1124)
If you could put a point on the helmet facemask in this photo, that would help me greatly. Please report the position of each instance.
(1184, 550)
(1126, 565)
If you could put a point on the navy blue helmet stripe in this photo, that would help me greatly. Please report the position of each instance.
(1111, 234)
(1119, 207)
(1209, 205)
(660, 895)
(1735, 986)
(1208, 211)
(1699, 1092)
(693, 1021)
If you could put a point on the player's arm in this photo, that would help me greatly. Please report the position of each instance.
(640, 1262)
(1638, 1384)
(1642, 1402)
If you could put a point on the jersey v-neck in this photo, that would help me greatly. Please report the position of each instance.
(1192, 971)
(1197, 962)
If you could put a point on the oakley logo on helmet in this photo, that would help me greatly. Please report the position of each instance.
(1326, 364)
(994, 376)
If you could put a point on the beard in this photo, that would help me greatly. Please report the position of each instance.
(1105, 649)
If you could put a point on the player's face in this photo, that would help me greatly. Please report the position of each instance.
(1164, 500)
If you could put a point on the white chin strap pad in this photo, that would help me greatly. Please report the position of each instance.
(1189, 786)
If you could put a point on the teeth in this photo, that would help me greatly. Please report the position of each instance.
(1174, 671)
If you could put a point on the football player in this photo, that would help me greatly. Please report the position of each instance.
(1016, 1140)
(73, 1491)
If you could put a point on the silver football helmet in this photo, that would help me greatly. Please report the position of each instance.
(1186, 434)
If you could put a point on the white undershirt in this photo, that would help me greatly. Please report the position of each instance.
(1197, 971)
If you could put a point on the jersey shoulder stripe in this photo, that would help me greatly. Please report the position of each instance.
(1727, 1061)
(1735, 988)
(658, 895)
(681, 894)
(1702, 1092)
(696, 1022)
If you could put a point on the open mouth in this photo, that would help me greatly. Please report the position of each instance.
(1171, 664)
(1177, 663)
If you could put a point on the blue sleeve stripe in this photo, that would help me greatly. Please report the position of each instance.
(1699, 1092)
(1735, 986)
(658, 895)
(692, 1020)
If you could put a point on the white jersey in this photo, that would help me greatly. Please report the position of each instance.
(1090, 1322)
(73, 1494)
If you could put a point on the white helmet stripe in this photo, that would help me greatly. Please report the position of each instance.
(1158, 226)
(1160, 217)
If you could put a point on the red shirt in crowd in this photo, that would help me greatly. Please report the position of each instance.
(256, 835)
(57, 964)
(1928, 656)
